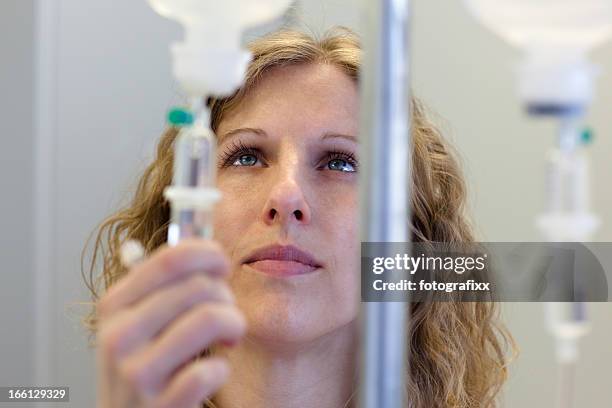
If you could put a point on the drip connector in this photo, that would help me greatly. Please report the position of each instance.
(179, 117)
(586, 136)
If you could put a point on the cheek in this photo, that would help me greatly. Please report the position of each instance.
(337, 207)
(339, 213)
(232, 214)
(240, 196)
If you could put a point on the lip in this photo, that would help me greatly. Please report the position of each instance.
(282, 260)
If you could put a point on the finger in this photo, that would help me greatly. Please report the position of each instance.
(197, 381)
(181, 341)
(146, 319)
(166, 266)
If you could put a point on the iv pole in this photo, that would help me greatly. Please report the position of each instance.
(384, 195)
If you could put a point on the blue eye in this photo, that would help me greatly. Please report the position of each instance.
(342, 161)
(340, 165)
(246, 160)
(239, 155)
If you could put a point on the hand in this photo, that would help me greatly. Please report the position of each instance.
(154, 321)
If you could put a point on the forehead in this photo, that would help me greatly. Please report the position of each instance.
(298, 99)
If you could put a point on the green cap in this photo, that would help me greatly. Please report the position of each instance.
(586, 137)
(180, 117)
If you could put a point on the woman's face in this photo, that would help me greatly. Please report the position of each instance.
(288, 160)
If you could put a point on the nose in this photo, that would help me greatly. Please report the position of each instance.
(286, 203)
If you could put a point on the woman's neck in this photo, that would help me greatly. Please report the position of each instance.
(319, 374)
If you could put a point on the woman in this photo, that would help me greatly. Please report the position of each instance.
(274, 297)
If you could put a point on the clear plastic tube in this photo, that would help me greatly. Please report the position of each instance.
(193, 194)
(568, 172)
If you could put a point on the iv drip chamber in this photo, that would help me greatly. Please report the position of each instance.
(192, 193)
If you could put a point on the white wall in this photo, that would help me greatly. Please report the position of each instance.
(106, 83)
(16, 177)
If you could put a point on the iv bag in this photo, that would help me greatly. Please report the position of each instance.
(245, 12)
(579, 24)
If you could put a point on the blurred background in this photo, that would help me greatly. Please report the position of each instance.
(84, 87)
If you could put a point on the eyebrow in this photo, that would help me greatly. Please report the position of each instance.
(351, 138)
(228, 135)
(260, 132)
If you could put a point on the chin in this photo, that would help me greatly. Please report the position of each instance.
(294, 310)
(276, 318)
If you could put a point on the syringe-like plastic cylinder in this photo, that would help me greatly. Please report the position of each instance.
(568, 177)
(568, 217)
(192, 194)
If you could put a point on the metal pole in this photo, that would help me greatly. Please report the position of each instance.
(384, 183)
